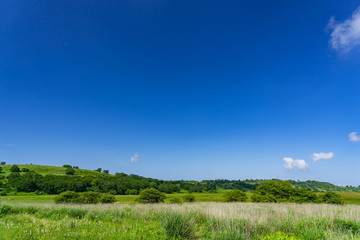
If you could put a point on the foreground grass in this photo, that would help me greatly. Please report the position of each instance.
(172, 221)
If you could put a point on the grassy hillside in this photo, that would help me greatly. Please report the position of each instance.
(49, 170)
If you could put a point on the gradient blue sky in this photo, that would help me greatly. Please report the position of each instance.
(196, 89)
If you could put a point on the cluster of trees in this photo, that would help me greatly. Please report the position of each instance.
(85, 197)
(283, 191)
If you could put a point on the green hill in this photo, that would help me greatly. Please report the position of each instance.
(49, 170)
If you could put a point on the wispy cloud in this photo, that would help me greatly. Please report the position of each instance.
(322, 156)
(353, 137)
(295, 164)
(345, 35)
(134, 158)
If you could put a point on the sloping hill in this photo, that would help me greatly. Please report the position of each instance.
(49, 170)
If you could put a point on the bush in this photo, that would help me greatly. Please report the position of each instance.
(106, 171)
(90, 197)
(76, 167)
(69, 171)
(1, 169)
(67, 166)
(331, 198)
(189, 198)
(2, 163)
(235, 196)
(151, 195)
(68, 197)
(25, 170)
(107, 198)
(282, 191)
(175, 200)
(14, 168)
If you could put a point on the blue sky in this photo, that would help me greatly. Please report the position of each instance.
(183, 89)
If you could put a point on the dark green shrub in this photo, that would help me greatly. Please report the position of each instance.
(235, 196)
(67, 166)
(2, 163)
(25, 170)
(1, 169)
(331, 198)
(282, 191)
(3, 193)
(107, 198)
(189, 198)
(151, 195)
(106, 171)
(69, 171)
(98, 170)
(90, 197)
(68, 197)
(175, 200)
(14, 168)
(76, 167)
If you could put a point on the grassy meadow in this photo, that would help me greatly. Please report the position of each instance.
(174, 221)
(349, 198)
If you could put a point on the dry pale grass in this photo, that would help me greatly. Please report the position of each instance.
(252, 212)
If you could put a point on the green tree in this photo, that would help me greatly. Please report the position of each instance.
(151, 195)
(69, 171)
(106, 171)
(331, 198)
(14, 168)
(235, 195)
(67, 166)
(2, 163)
(98, 170)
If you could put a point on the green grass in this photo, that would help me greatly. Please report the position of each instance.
(49, 170)
(221, 221)
(349, 198)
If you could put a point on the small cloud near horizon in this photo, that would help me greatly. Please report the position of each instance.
(322, 156)
(134, 158)
(345, 35)
(353, 137)
(295, 164)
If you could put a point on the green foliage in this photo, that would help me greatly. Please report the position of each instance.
(235, 196)
(69, 171)
(67, 166)
(14, 168)
(282, 191)
(85, 198)
(90, 197)
(189, 198)
(178, 226)
(151, 195)
(76, 167)
(2, 163)
(131, 192)
(25, 170)
(106, 171)
(68, 197)
(331, 198)
(1, 169)
(175, 200)
(107, 198)
(98, 170)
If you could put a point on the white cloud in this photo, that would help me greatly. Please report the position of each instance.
(345, 35)
(135, 158)
(322, 156)
(353, 137)
(295, 164)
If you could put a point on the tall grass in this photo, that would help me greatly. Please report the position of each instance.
(187, 221)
